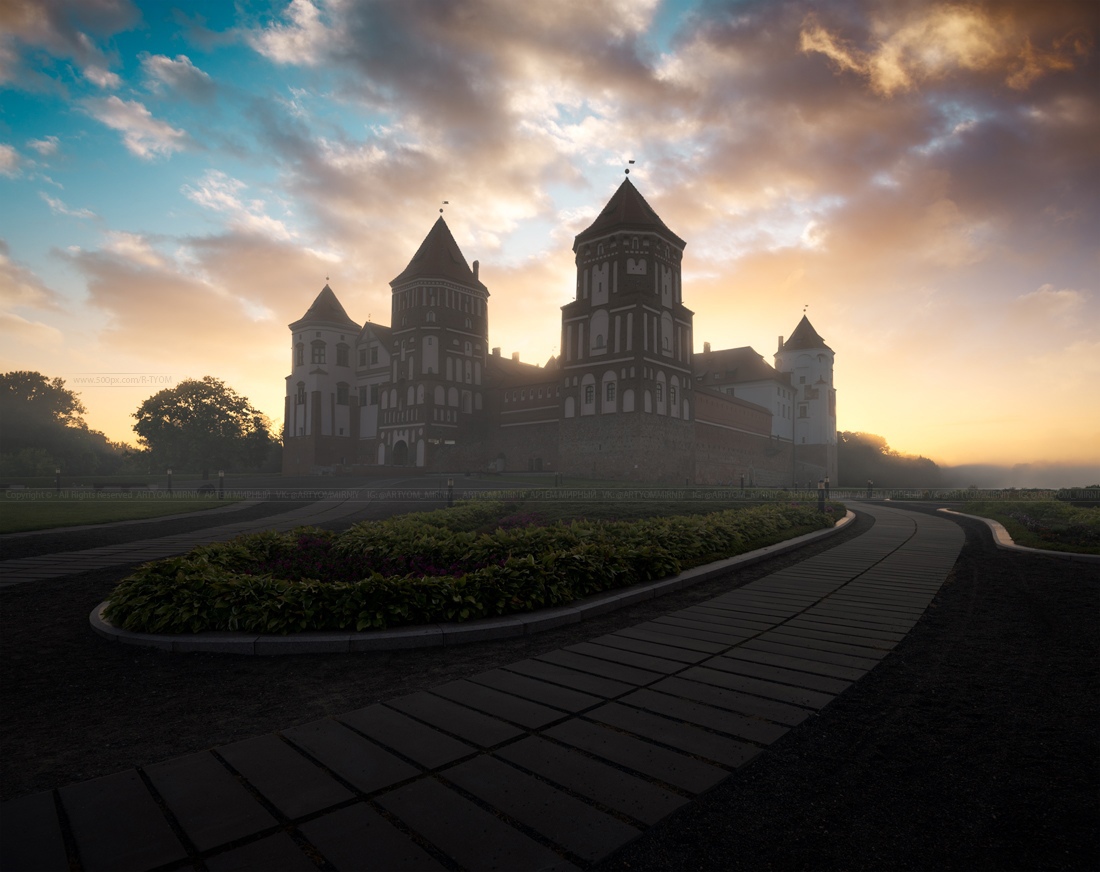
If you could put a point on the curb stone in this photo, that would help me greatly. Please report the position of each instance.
(1003, 540)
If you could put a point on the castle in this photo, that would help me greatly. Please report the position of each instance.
(625, 399)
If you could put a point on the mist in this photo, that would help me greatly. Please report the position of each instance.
(1022, 475)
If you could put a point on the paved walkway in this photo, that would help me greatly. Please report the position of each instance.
(335, 507)
(549, 763)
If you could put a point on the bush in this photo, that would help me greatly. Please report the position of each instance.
(448, 565)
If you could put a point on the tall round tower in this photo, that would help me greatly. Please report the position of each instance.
(809, 361)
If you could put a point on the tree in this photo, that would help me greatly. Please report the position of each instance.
(42, 428)
(863, 457)
(35, 411)
(203, 425)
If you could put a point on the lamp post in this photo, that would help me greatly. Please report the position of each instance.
(450, 492)
(169, 481)
(821, 495)
(826, 487)
(221, 484)
(57, 478)
(869, 485)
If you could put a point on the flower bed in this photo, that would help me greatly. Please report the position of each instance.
(449, 565)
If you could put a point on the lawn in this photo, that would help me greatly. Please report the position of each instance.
(21, 511)
(1049, 524)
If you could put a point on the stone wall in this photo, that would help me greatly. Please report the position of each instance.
(631, 446)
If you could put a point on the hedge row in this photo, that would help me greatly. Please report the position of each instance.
(428, 567)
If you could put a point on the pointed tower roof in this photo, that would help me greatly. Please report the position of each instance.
(804, 338)
(627, 210)
(439, 257)
(326, 309)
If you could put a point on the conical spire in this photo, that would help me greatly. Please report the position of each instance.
(804, 338)
(326, 309)
(438, 257)
(627, 210)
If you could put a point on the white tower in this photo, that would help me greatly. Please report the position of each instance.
(809, 361)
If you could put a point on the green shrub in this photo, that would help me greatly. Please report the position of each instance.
(428, 567)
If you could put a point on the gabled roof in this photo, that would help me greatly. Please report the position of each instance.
(627, 210)
(439, 257)
(734, 365)
(804, 338)
(379, 330)
(326, 309)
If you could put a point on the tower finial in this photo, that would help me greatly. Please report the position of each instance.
(445, 203)
(627, 170)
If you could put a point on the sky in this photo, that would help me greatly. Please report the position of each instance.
(178, 182)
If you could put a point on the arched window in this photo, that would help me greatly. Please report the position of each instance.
(299, 354)
(301, 394)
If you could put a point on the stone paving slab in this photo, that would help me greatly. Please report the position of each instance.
(408, 737)
(641, 800)
(118, 825)
(576, 826)
(474, 727)
(652, 761)
(211, 806)
(290, 782)
(547, 763)
(466, 832)
(358, 837)
(360, 763)
(33, 841)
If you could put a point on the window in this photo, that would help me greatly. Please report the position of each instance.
(374, 395)
(589, 394)
(362, 395)
(317, 354)
(610, 392)
(803, 412)
(362, 357)
(660, 392)
(301, 396)
(374, 354)
(342, 394)
(342, 355)
(672, 395)
(599, 343)
(430, 317)
(299, 354)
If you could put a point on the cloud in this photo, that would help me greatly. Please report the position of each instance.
(59, 208)
(21, 330)
(299, 41)
(178, 74)
(62, 28)
(19, 286)
(221, 193)
(133, 248)
(105, 79)
(9, 160)
(142, 134)
(47, 146)
(930, 42)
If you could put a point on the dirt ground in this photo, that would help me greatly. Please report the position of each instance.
(974, 745)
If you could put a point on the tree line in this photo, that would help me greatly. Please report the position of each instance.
(200, 425)
(863, 457)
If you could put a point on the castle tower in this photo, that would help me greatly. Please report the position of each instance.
(626, 350)
(321, 420)
(439, 340)
(810, 363)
